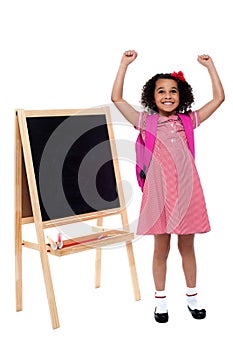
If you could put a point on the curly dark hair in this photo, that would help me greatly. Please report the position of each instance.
(185, 92)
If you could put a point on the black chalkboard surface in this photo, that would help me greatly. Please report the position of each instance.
(73, 165)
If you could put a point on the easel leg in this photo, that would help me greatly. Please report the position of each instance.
(18, 219)
(49, 288)
(129, 247)
(98, 259)
(98, 267)
(18, 270)
(132, 266)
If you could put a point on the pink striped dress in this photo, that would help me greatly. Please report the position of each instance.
(173, 200)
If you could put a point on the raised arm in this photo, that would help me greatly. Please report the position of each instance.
(124, 107)
(217, 88)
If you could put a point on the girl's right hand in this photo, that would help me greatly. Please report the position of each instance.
(128, 57)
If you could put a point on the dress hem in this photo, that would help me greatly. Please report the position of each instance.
(171, 233)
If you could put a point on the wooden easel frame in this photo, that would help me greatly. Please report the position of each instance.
(24, 168)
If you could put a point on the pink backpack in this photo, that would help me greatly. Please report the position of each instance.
(144, 150)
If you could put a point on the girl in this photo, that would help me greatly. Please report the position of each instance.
(173, 200)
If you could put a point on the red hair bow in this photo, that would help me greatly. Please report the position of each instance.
(179, 75)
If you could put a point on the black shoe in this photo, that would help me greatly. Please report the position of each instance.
(161, 318)
(198, 314)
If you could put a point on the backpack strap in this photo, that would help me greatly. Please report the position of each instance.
(188, 128)
(150, 136)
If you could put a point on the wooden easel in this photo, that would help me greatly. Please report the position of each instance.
(27, 210)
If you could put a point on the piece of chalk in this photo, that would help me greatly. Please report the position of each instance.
(53, 244)
(59, 245)
(59, 240)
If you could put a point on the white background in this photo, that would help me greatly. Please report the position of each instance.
(65, 54)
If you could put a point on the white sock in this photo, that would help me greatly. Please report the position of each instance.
(161, 301)
(192, 299)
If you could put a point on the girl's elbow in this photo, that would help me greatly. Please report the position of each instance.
(116, 99)
(221, 98)
(113, 99)
(222, 95)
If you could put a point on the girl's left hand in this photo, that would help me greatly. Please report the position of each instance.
(205, 60)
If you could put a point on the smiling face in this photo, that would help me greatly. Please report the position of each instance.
(166, 96)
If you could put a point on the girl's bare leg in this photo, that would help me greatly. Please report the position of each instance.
(186, 249)
(161, 250)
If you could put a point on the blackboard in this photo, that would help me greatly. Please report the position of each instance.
(73, 164)
(67, 171)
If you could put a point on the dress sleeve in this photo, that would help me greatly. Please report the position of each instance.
(194, 115)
